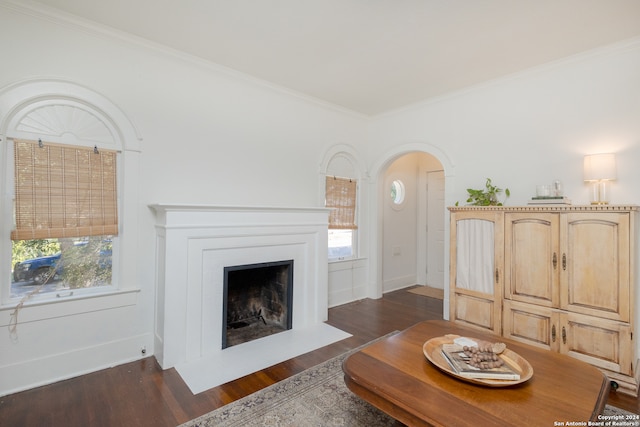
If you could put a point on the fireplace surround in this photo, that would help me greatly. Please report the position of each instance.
(194, 244)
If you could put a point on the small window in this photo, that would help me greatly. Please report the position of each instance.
(340, 196)
(340, 244)
(397, 192)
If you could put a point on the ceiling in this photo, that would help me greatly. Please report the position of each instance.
(370, 56)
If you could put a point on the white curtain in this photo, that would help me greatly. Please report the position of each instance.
(475, 250)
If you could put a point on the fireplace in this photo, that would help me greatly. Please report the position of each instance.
(194, 244)
(258, 301)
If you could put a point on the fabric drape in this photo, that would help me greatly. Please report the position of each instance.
(475, 255)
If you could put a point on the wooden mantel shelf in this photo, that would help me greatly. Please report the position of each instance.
(548, 208)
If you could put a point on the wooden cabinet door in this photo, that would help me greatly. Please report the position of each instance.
(477, 250)
(531, 257)
(595, 275)
(531, 324)
(603, 343)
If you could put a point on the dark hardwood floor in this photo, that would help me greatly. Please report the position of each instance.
(141, 394)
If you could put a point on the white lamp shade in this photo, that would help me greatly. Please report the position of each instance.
(599, 167)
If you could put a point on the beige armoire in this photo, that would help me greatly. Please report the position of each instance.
(557, 277)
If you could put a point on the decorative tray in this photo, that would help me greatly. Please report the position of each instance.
(432, 349)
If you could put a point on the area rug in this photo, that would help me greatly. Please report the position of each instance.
(315, 397)
(428, 291)
(312, 398)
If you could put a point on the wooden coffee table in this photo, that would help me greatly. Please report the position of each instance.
(394, 375)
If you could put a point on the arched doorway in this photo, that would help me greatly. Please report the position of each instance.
(421, 160)
(413, 224)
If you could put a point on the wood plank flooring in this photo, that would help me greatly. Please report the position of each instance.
(141, 394)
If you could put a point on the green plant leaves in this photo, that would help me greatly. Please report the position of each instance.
(488, 196)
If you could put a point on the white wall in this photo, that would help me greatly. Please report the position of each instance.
(533, 127)
(209, 136)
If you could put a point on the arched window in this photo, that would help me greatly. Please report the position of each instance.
(341, 190)
(341, 197)
(65, 147)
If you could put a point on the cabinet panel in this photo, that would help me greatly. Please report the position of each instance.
(476, 311)
(531, 258)
(534, 325)
(595, 262)
(602, 343)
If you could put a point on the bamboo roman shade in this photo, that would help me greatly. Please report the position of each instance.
(340, 195)
(64, 191)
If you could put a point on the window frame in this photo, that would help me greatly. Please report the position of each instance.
(398, 201)
(353, 247)
(354, 231)
(62, 102)
(36, 298)
(65, 112)
(342, 160)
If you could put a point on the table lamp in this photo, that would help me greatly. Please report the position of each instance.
(599, 169)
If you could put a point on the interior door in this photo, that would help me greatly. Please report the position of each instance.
(435, 229)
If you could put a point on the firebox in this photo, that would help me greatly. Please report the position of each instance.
(258, 301)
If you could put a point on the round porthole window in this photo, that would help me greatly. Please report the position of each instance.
(397, 192)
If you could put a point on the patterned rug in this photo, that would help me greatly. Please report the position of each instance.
(312, 398)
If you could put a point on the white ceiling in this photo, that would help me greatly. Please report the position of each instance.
(370, 56)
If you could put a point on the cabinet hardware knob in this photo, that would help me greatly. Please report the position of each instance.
(497, 276)
(553, 333)
(555, 260)
(564, 261)
(564, 335)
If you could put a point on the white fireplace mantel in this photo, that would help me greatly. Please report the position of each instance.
(177, 215)
(194, 244)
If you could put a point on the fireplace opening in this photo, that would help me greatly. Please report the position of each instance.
(258, 301)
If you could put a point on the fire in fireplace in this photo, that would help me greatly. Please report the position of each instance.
(258, 301)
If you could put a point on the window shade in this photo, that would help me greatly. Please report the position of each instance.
(341, 197)
(64, 191)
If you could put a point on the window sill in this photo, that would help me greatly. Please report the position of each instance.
(349, 259)
(33, 311)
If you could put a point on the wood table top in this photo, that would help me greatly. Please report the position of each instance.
(394, 375)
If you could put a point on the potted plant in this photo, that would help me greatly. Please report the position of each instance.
(488, 196)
